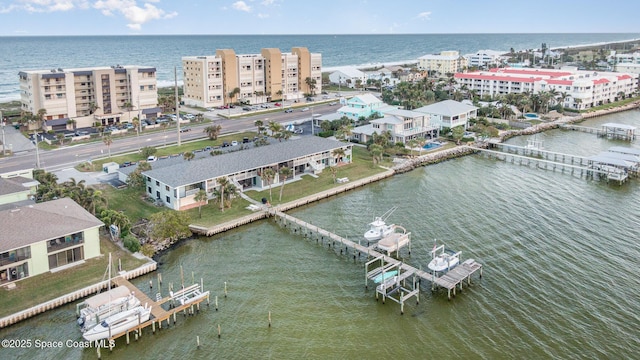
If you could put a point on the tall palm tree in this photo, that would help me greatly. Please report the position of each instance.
(260, 125)
(201, 196)
(107, 140)
(275, 128)
(60, 137)
(73, 123)
(223, 182)
(285, 172)
(213, 131)
(338, 154)
(268, 174)
(376, 152)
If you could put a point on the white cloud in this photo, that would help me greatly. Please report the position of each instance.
(263, 16)
(267, 2)
(241, 6)
(425, 15)
(136, 15)
(41, 6)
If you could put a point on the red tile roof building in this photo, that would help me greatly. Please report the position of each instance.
(585, 89)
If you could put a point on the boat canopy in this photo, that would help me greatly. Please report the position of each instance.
(104, 298)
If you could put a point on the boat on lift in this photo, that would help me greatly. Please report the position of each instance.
(378, 228)
(442, 259)
(118, 323)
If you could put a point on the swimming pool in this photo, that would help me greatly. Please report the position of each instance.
(431, 145)
(531, 115)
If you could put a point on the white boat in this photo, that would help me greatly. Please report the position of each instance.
(394, 241)
(118, 323)
(443, 259)
(379, 228)
(189, 294)
(95, 309)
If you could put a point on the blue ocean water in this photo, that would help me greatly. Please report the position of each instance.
(165, 52)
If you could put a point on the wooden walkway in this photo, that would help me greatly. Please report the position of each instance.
(156, 307)
(450, 282)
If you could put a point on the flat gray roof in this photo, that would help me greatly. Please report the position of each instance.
(194, 171)
(625, 150)
(619, 126)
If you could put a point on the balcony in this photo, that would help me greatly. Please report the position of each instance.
(64, 242)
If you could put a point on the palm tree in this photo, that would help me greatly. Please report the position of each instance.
(213, 131)
(223, 182)
(188, 155)
(311, 84)
(260, 125)
(199, 117)
(279, 94)
(285, 172)
(201, 196)
(60, 137)
(268, 174)
(413, 143)
(338, 154)
(107, 140)
(275, 128)
(376, 152)
(233, 93)
(72, 123)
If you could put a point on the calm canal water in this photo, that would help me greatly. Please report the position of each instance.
(560, 278)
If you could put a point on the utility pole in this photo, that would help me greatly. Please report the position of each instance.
(175, 78)
(35, 135)
(4, 143)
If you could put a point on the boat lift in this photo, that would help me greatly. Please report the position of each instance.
(392, 282)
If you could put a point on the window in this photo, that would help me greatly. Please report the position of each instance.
(149, 189)
(66, 257)
(157, 183)
(168, 199)
(166, 187)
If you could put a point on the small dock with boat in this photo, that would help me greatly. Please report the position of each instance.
(152, 312)
(395, 279)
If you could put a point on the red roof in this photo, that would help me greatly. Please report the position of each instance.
(624, 77)
(559, 82)
(600, 81)
(495, 77)
(532, 72)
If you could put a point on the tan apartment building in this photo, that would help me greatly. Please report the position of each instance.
(269, 76)
(445, 62)
(108, 95)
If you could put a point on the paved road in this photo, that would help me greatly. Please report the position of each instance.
(71, 155)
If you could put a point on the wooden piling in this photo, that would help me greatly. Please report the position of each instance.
(269, 318)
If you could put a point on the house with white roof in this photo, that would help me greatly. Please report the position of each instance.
(402, 125)
(348, 76)
(177, 185)
(360, 106)
(66, 235)
(449, 114)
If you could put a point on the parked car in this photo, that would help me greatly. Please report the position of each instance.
(234, 143)
(309, 98)
(245, 140)
(324, 92)
(185, 129)
(264, 106)
(332, 103)
(305, 109)
(225, 144)
(325, 96)
(246, 108)
(189, 116)
(288, 110)
(297, 131)
(277, 104)
(152, 158)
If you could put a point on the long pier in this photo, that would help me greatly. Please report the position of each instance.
(549, 160)
(449, 281)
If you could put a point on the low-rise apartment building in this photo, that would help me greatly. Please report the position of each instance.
(108, 95)
(212, 80)
(584, 88)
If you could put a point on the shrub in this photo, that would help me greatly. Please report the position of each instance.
(148, 151)
(147, 250)
(131, 243)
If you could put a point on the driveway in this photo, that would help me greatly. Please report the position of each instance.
(16, 142)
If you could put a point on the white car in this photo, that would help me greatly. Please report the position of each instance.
(152, 158)
(305, 109)
(234, 143)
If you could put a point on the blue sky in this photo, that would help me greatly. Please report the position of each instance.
(122, 17)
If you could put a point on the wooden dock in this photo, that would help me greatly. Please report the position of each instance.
(405, 270)
(549, 160)
(158, 313)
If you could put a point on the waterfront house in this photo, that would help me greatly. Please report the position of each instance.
(176, 185)
(43, 237)
(402, 125)
(445, 62)
(362, 106)
(449, 114)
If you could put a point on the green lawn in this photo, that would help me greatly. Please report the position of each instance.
(131, 201)
(38, 289)
(211, 214)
